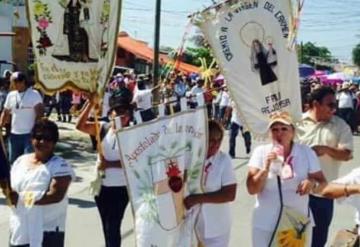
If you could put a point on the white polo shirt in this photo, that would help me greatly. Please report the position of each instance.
(215, 218)
(22, 108)
(267, 206)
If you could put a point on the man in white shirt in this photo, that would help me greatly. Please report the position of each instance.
(346, 103)
(331, 139)
(235, 126)
(143, 101)
(24, 106)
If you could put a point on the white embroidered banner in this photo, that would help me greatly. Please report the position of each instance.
(250, 41)
(74, 42)
(155, 156)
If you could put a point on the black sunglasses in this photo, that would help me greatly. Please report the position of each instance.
(45, 138)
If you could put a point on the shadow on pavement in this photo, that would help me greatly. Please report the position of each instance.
(82, 203)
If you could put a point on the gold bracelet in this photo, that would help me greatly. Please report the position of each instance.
(347, 194)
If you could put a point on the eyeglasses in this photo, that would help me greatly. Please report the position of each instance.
(279, 129)
(331, 105)
(45, 138)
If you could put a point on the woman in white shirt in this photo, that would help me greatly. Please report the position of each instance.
(113, 197)
(219, 186)
(39, 182)
(298, 169)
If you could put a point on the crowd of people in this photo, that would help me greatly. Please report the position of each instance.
(298, 170)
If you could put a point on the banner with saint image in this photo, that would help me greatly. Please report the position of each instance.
(74, 42)
(251, 40)
(163, 161)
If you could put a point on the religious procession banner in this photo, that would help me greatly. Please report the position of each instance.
(163, 161)
(251, 40)
(74, 42)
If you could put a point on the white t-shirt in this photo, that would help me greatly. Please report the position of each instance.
(215, 218)
(54, 214)
(225, 99)
(143, 99)
(234, 115)
(354, 200)
(113, 176)
(267, 206)
(21, 106)
(345, 100)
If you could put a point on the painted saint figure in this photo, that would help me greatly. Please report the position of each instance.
(263, 61)
(77, 36)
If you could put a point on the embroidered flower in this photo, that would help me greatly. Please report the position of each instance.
(43, 23)
(39, 8)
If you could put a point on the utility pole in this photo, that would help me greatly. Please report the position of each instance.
(157, 43)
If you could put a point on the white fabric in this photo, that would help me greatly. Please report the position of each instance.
(235, 116)
(230, 31)
(354, 200)
(220, 241)
(113, 176)
(267, 204)
(23, 116)
(225, 99)
(215, 218)
(105, 104)
(143, 99)
(155, 159)
(345, 99)
(55, 213)
(335, 133)
(101, 29)
(27, 224)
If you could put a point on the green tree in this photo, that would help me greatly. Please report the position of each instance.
(192, 55)
(356, 55)
(309, 53)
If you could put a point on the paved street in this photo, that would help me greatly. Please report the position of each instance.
(83, 223)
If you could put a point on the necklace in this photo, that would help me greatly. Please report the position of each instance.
(19, 103)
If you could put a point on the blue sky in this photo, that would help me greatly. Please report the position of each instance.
(331, 23)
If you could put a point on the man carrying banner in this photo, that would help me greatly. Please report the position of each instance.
(24, 106)
(331, 138)
(113, 197)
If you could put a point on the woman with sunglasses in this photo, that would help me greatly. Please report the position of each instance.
(39, 182)
(112, 199)
(299, 172)
(219, 185)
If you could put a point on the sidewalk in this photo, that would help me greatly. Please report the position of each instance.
(83, 222)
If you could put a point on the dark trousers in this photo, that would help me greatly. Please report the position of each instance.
(234, 131)
(19, 145)
(147, 115)
(111, 203)
(347, 115)
(322, 210)
(51, 107)
(50, 239)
